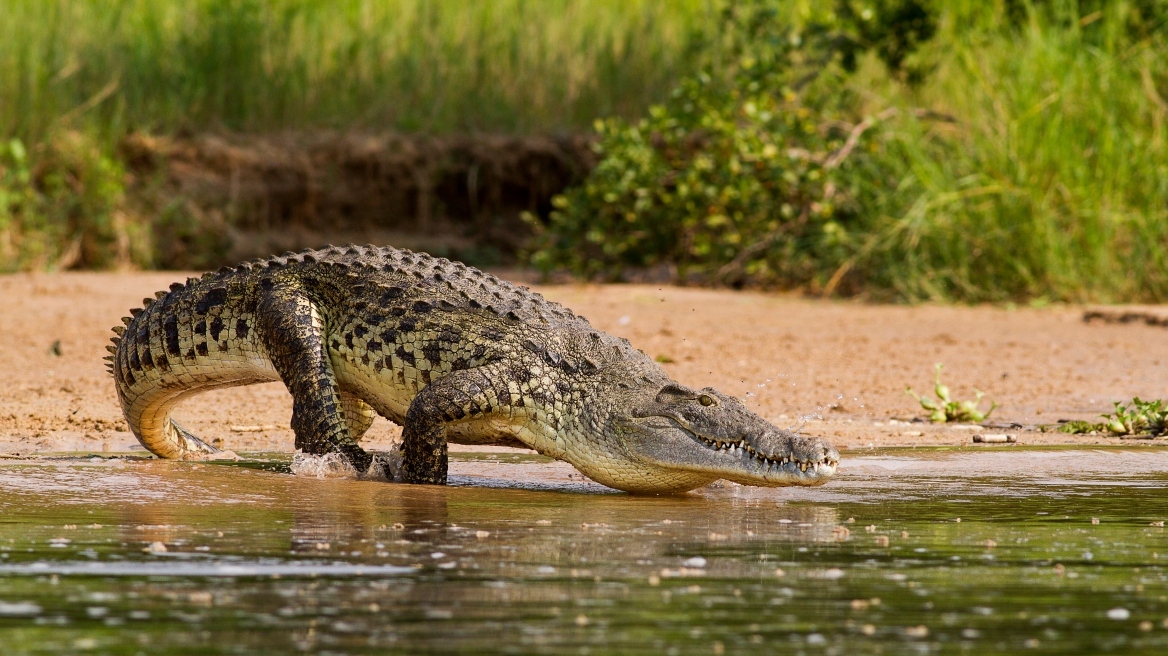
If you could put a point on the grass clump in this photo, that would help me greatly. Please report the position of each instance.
(1137, 418)
(946, 409)
(62, 207)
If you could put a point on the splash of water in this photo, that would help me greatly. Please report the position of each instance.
(386, 466)
(329, 465)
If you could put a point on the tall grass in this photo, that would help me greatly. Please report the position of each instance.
(1048, 180)
(264, 65)
(1019, 155)
(1051, 183)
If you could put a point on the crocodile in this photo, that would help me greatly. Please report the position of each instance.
(451, 354)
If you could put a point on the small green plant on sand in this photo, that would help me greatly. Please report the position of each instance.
(1137, 418)
(946, 408)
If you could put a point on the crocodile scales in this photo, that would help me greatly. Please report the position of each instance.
(450, 353)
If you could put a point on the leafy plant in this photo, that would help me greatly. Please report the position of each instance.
(947, 409)
(1137, 418)
(61, 207)
(741, 177)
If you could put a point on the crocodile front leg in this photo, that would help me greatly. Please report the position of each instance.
(468, 398)
(292, 333)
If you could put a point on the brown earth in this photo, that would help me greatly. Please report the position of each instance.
(223, 198)
(839, 369)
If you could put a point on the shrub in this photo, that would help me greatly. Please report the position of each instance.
(61, 207)
(746, 177)
(1037, 171)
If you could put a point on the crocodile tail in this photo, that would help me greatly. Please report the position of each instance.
(179, 345)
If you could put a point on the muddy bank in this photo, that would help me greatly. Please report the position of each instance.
(225, 198)
(838, 369)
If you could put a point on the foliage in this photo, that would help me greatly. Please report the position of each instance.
(1137, 418)
(740, 177)
(412, 65)
(61, 207)
(1048, 184)
(893, 29)
(948, 409)
(895, 149)
(1002, 161)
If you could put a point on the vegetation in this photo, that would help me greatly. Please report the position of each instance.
(1137, 418)
(1017, 154)
(946, 408)
(95, 71)
(893, 149)
(269, 65)
(65, 210)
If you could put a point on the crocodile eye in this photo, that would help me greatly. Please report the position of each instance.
(706, 400)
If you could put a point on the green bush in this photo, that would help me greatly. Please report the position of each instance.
(1000, 161)
(61, 207)
(746, 178)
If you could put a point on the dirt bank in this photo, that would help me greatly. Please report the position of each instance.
(226, 198)
(842, 365)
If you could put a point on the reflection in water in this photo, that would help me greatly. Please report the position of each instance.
(344, 513)
(908, 552)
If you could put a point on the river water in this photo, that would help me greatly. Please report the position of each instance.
(912, 551)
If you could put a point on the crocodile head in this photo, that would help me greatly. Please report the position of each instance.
(705, 435)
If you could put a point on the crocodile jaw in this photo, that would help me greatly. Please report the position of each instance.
(774, 458)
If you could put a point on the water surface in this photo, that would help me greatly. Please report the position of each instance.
(908, 551)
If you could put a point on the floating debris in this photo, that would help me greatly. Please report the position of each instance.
(995, 438)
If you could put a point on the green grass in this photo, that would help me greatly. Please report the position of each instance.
(1021, 156)
(1048, 184)
(414, 65)
(84, 73)
(1052, 181)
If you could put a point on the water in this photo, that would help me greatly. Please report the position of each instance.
(522, 556)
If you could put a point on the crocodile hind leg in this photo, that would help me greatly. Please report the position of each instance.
(292, 332)
(464, 399)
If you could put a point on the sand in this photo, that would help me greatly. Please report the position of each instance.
(837, 369)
